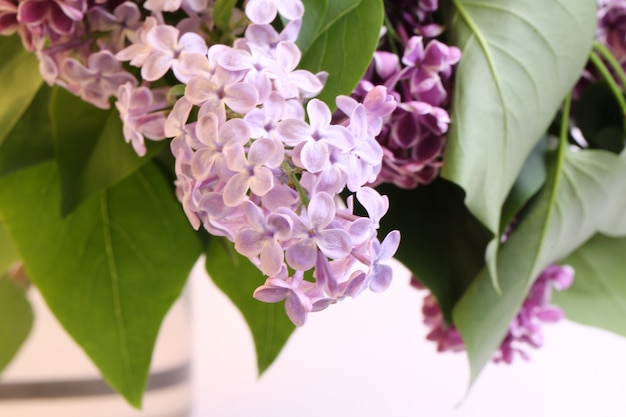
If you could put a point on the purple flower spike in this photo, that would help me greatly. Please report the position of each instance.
(524, 330)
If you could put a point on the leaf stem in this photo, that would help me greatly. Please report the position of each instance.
(610, 58)
(563, 134)
(291, 173)
(606, 74)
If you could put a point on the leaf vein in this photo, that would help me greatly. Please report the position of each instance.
(484, 45)
(115, 290)
(528, 23)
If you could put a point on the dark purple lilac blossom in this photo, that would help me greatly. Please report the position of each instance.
(612, 27)
(413, 136)
(8, 17)
(50, 18)
(525, 329)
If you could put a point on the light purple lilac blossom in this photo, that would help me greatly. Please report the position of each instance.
(258, 159)
(525, 329)
(263, 169)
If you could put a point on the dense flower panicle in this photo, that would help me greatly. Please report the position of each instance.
(262, 167)
(271, 187)
(258, 159)
(524, 330)
(413, 136)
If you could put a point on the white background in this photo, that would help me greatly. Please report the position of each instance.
(368, 357)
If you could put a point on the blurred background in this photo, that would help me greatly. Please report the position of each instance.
(368, 357)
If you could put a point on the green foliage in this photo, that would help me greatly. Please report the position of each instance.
(442, 243)
(238, 278)
(90, 148)
(17, 320)
(110, 270)
(29, 141)
(520, 58)
(222, 12)
(339, 37)
(598, 295)
(19, 72)
(8, 252)
(530, 180)
(583, 194)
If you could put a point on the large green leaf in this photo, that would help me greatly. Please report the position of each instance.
(19, 72)
(91, 151)
(30, 140)
(238, 278)
(584, 189)
(598, 295)
(442, 243)
(110, 270)
(520, 58)
(16, 322)
(342, 43)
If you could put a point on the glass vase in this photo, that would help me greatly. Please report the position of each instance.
(52, 377)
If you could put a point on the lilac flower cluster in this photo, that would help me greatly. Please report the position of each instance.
(259, 160)
(413, 136)
(262, 169)
(524, 330)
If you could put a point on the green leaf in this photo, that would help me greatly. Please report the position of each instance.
(238, 278)
(314, 19)
(222, 12)
(343, 43)
(17, 320)
(91, 152)
(581, 195)
(8, 252)
(110, 270)
(19, 72)
(598, 295)
(520, 58)
(30, 140)
(528, 184)
(442, 243)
